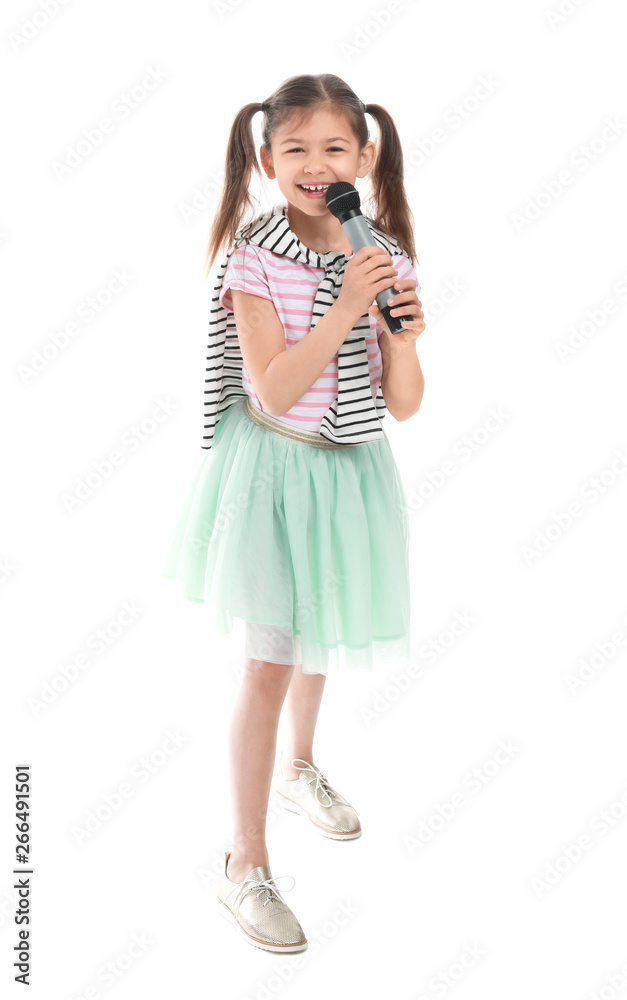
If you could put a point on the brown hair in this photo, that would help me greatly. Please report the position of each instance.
(392, 214)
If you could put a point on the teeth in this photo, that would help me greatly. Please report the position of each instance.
(314, 187)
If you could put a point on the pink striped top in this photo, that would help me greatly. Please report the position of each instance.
(291, 286)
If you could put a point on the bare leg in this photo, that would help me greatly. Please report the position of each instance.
(302, 707)
(252, 751)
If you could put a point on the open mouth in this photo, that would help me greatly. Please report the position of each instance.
(313, 190)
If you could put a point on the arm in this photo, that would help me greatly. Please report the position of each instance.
(281, 376)
(402, 382)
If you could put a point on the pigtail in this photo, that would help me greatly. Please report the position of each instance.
(240, 162)
(393, 215)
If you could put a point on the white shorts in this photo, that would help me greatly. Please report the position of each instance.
(272, 644)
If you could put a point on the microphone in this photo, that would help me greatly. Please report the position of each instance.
(344, 203)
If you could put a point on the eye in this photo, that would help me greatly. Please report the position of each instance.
(337, 149)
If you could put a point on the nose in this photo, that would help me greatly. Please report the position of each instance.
(314, 166)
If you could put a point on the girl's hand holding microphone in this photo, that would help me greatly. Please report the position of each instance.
(370, 271)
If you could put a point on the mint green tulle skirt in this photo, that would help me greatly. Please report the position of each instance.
(314, 540)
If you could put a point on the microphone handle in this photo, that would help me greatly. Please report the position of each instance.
(359, 235)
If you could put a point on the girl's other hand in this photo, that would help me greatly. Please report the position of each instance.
(406, 303)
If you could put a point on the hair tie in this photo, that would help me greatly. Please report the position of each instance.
(364, 106)
(263, 106)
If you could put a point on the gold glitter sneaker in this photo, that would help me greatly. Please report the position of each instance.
(258, 912)
(311, 796)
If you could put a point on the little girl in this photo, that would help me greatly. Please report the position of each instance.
(296, 520)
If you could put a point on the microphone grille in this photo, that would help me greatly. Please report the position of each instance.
(342, 197)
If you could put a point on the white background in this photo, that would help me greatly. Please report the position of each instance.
(531, 262)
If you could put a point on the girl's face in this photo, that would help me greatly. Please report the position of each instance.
(320, 151)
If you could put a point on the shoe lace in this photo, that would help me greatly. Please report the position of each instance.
(263, 885)
(322, 782)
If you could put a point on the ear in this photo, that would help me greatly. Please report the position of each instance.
(366, 159)
(266, 163)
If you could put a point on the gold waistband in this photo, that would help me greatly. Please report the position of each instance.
(305, 437)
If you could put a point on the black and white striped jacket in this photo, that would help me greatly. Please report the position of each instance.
(354, 416)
